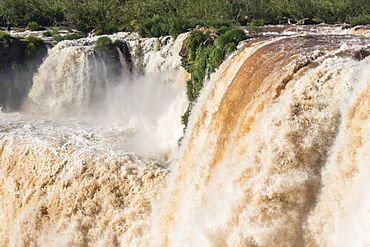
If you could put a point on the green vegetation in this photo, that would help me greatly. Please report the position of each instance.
(33, 26)
(56, 36)
(106, 48)
(100, 16)
(21, 12)
(19, 50)
(47, 34)
(360, 20)
(109, 52)
(162, 17)
(4, 42)
(32, 43)
(18, 54)
(204, 50)
(159, 26)
(4, 34)
(70, 36)
(103, 44)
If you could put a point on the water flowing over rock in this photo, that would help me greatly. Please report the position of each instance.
(275, 152)
(256, 154)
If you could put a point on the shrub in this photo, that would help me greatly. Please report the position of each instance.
(176, 27)
(54, 30)
(33, 26)
(71, 36)
(231, 36)
(47, 34)
(185, 117)
(106, 48)
(159, 26)
(33, 39)
(216, 55)
(118, 43)
(32, 44)
(4, 40)
(4, 34)
(257, 22)
(359, 20)
(192, 42)
(205, 50)
(103, 44)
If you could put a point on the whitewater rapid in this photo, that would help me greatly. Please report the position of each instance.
(275, 152)
(270, 156)
(84, 160)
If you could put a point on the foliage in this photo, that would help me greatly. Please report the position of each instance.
(160, 26)
(206, 13)
(100, 16)
(54, 30)
(4, 42)
(359, 20)
(47, 34)
(257, 22)
(103, 44)
(106, 48)
(163, 17)
(21, 12)
(33, 26)
(70, 36)
(205, 50)
(185, 117)
(32, 44)
(4, 35)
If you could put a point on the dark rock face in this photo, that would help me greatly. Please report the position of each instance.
(361, 54)
(17, 66)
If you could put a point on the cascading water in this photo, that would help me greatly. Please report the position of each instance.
(254, 169)
(67, 81)
(83, 162)
(275, 153)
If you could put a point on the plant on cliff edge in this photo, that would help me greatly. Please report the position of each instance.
(203, 52)
(104, 46)
(32, 44)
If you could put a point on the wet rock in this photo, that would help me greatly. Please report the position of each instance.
(306, 21)
(360, 29)
(17, 64)
(360, 55)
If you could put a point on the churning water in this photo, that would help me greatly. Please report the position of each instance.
(275, 153)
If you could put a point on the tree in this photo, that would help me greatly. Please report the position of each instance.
(21, 12)
(103, 16)
(215, 13)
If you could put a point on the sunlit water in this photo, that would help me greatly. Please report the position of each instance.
(275, 153)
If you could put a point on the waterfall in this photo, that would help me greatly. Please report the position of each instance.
(83, 161)
(275, 152)
(264, 161)
(68, 81)
(74, 81)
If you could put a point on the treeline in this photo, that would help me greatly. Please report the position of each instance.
(160, 17)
